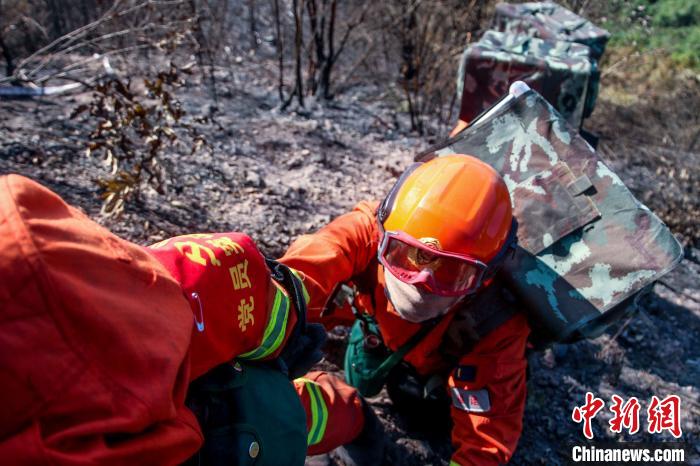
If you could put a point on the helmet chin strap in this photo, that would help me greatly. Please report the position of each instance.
(414, 304)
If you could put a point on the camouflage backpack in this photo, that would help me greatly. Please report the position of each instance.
(560, 71)
(552, 22)
(587, 247)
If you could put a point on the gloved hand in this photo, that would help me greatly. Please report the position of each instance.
(303, 351)
(303, 348)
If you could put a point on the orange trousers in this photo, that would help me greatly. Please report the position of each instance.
(333, 408)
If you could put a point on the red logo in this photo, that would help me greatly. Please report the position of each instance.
(587, 412)
(661, 414)
(625, 415)
(665, 415)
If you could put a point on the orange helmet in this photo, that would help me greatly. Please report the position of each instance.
(453, 204)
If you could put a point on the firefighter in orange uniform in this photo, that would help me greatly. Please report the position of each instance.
(102, 342)
(418, 262)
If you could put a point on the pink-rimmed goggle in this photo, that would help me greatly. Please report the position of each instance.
(442, 273)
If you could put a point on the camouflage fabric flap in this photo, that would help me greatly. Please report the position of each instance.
(586, 244)
(547, 196)
(559, 70)
(548, 20)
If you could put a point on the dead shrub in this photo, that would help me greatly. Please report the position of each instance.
(133, 133)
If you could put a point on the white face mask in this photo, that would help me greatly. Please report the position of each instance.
(413, 304)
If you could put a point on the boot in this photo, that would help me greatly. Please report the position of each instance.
(368, 448)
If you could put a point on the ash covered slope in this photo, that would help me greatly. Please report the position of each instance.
(278, 175)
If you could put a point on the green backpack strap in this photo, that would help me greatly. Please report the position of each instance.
(395, 357)
(368, 368)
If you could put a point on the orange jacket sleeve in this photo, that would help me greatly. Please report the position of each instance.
(488, 396)
(239, 311)
(334, 254)
(94, 341)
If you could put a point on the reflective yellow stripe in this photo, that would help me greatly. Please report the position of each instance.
(275, 329)
(454, 463)
(323, 415)
(298, 274)
(319, 412)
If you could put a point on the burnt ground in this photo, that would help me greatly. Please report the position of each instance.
(276, 175)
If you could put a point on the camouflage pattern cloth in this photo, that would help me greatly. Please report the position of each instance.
(587, 247)
(559, 70)
(550, 21)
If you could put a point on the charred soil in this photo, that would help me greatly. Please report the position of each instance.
(276, 175)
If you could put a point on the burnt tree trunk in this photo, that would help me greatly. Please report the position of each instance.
(279, 43)
(316, 53)
(331, 56)
(298, 45)
(9, 64)
(203, 50)
(409, 66)
(56, 15)
(7, 55)
(253, 25)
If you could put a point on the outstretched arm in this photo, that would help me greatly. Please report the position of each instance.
(238, 309)
(334, 254)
